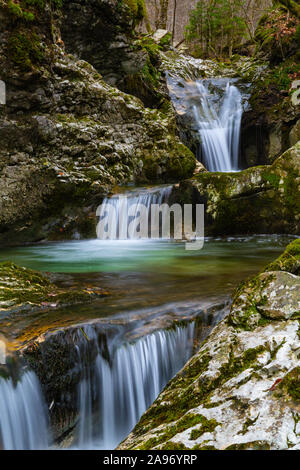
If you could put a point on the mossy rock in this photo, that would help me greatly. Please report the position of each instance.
(289, 261)
(22, 288)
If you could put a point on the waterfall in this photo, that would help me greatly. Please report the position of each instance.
(122, 387)
(122, 208)
(218, 120)
(23, 420)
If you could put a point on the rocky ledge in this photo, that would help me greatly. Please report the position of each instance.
(242, 389)
(26, 289)
(262, 199)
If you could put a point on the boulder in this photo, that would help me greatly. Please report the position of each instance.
(262, 199)
(25, 289)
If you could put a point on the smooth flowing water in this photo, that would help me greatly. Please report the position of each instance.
(120, 214)
(114, 395)
(218, 120)
(210, 114)
(23, 416)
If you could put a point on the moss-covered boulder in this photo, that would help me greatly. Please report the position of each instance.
(241, 390)
(263, 199)
(26, 289)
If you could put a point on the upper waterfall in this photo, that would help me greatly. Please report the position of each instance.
(211, 109)
(219, 124)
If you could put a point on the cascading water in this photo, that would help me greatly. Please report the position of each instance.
(114, 396)
(23, 419)
(119, 215)
(219, 126)
(209, 114)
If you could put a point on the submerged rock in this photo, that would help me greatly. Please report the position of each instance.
(241, 390)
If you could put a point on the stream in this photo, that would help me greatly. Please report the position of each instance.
(163, 301)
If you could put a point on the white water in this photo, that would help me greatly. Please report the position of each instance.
(113, 399)
(119, 216)
(23, 421)
(218, 120)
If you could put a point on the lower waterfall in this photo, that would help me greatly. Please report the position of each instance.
(121, 388)
(23, 419)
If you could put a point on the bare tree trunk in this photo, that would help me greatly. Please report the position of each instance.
(174, 20)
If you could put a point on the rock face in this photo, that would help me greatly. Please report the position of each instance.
(263, 199)
(241, 390)
(66, 136)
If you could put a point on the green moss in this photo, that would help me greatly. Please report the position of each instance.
(20, 286)
(28, 10)
(25, 50)
(182, 425)
(290, 385)
(166, 40)
(138, 8)
(289, 261)
(254, 445)
(174, 446)
(271, 178)
(247, 424)
(207, 425)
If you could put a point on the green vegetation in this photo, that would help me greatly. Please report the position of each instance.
(289, 261)
(215, 27)
(27, 9)
(25, 50)
(182, 424)
(290, 385)
(138, 8)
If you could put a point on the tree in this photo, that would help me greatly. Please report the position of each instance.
(215, 26)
